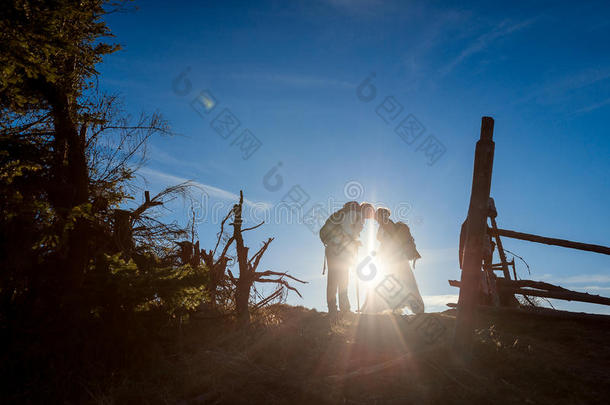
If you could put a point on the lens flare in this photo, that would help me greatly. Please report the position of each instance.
(368, 257)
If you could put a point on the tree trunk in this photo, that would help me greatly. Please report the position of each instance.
(70, 186)
(245, 280)
(242, 299)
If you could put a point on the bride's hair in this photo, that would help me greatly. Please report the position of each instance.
(382, 215)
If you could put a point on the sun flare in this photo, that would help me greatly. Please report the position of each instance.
(369, 259)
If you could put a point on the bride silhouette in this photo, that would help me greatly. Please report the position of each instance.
(398, 288)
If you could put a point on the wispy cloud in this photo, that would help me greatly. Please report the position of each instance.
(503, 29)
(212, 191)
(443, 24)
(355, 6)
(158, 155)
(560, 88)
(584, 78)
(593, 106)
(295, 80)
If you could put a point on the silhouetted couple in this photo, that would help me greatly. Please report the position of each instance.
(396, 287)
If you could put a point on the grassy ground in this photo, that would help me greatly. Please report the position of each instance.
(293, 355)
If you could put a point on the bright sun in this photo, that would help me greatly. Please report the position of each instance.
(368, 254)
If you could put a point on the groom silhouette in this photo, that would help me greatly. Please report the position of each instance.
(340, 235)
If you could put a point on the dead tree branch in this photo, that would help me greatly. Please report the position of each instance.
(247, 267)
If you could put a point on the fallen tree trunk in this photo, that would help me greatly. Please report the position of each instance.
(541, 289)
(541, 312)
(545, 313)
(560, 295)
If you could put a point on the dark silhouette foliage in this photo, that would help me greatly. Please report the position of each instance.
(87, 286)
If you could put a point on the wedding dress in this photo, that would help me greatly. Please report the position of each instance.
(395, 288)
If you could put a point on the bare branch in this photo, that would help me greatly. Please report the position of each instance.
(269, 298)
(252, 227)
(255, 259)
(222, 227)
(232, 277)
(280, 274)
(280, 281)
(226, 248)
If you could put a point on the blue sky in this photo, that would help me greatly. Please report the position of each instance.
(291, 74)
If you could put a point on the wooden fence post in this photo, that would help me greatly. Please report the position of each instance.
(475, 233)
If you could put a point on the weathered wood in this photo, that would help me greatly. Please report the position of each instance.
(551, 241)
(541, 285)
(489, 277)
(512, 263)
(473, 247)
(541, 312)
(560, 295)
(506, 299)
(545, 313)
(503, 283)
(542, 289)
(500, 247)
